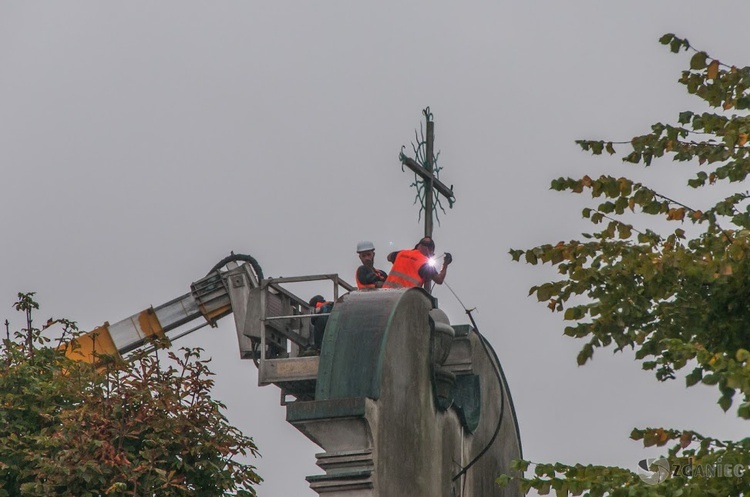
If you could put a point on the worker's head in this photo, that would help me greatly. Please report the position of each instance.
(366, 252)
(316, 300)
(426, 245)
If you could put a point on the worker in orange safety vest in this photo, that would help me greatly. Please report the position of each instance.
(367, 275)
(415, 267)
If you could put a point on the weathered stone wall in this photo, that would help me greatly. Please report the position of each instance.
(376, 414)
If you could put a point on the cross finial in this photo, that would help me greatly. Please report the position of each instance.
(429, 187)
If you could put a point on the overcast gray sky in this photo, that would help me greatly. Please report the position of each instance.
(142, 141)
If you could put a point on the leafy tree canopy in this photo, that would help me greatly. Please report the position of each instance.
(666, 277)
(149, 427)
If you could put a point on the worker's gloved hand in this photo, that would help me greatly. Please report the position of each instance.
(448, 259)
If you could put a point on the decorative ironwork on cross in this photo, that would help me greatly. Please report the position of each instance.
(427, 174)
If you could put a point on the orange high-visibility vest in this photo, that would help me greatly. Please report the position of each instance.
(361, 285)
(405, 271)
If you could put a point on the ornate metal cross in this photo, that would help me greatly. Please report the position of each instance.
(429, 187)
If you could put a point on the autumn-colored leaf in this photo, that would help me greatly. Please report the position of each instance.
(662, 436)
(676, 214)
(686, 438)
(713, 69)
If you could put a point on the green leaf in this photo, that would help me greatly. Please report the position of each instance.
(725, 402)
(531, 257)
(503, 480)
(585, 354)
(685, 117)
(666, 39)
(694, 377)
(519, 465)
(544, 488)
(711, 379)
(698, 61)
(544, 293)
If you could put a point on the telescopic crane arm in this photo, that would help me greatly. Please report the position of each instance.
(209, 299)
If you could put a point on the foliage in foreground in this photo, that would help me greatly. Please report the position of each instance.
(149, 427)
(679, 297)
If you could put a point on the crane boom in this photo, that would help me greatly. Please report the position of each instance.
(208, 299)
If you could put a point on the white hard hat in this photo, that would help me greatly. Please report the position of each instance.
(365, 246)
